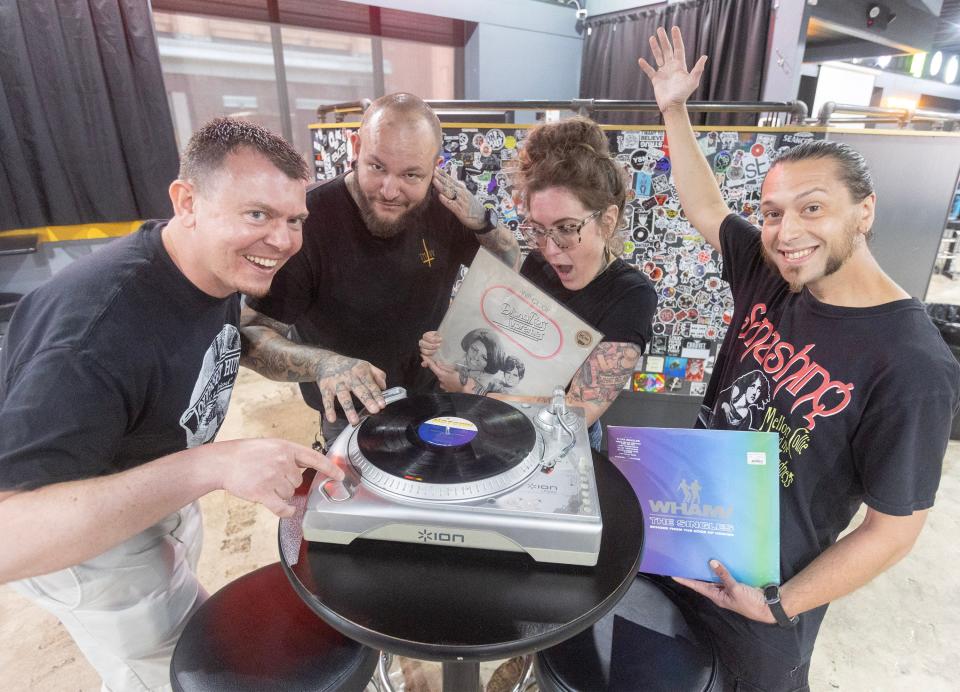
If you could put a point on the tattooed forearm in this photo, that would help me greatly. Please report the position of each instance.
(503, 243)
(265, 349)
(601, 378)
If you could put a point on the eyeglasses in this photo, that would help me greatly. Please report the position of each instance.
(563, 236)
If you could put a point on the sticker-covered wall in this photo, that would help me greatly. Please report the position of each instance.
(695, 307)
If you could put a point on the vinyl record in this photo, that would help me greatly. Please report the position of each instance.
(446, 438)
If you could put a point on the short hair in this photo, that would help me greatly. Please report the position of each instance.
(217, 139)
(573, 154)
(490, 342)
(407, 106)
(854, 172)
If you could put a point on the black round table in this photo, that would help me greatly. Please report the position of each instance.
(459, 605)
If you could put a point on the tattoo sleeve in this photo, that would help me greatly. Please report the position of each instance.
(601, 378)
(503, 243)
(265, 348)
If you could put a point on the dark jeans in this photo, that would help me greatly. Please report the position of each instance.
(748, 663)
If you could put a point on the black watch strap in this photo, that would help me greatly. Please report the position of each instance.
(771, 594)
(491, 222)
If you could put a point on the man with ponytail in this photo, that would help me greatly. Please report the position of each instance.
(816, 352)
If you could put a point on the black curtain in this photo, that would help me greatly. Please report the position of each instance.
(85, 130)
(731, 33)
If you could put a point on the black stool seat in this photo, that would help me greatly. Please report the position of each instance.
(645, 643)
(256, 634)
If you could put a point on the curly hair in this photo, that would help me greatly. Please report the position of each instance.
(574, 154)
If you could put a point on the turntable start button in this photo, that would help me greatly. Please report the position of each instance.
(336, 490)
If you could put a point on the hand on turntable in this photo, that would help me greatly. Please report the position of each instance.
(338, 377)
(267, 471)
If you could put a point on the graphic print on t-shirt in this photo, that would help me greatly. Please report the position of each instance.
(778, 368)
(742, 403)
(211, 393)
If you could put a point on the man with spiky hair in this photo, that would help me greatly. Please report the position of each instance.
(114, 379)
(382, 249)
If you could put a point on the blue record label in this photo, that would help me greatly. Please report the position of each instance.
(447, 431)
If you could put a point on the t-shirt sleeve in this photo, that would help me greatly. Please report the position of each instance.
(740, 249)
(292, 291)
(630, 318)
(899, 453)
(62, 419)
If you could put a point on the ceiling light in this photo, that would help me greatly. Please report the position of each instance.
(883, 61)
(935, 62)
(950, 74)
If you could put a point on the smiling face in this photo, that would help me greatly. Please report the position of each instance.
(396, 156)
(244, 223)
(812, 227)
(578, 264)
(476, 356)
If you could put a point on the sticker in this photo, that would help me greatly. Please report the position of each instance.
(447, 431)
(509, 142)
(757, 458)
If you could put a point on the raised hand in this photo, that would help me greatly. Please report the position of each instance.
(339, 376)
(267, 471)
(672, 82)
(455, 196)
(429, 344)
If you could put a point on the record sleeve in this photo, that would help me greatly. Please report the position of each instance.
(510, 336)
(705, 494)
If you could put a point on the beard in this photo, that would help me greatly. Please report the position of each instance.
(835, 260)
(386, 228)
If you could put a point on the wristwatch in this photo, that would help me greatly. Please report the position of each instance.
(771, 594)
(492, 220)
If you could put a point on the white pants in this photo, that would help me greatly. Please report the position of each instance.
(126, 608)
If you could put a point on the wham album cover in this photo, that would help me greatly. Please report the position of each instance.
(705, 494)
(509, 335)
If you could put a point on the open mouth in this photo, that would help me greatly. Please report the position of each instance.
(797, 255)
(262, 262)
(563, 270)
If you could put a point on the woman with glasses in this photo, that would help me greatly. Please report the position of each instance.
(573, 196)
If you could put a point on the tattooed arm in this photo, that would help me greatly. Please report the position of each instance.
(593, 388)
(455, 196)
(266, 349)
(601, 378)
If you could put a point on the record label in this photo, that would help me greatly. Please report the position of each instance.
(447, 431)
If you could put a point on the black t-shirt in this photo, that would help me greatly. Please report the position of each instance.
(367, 297)
(116, 361)
(862, 398)
(620, 301)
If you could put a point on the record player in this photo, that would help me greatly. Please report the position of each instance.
(465, 471)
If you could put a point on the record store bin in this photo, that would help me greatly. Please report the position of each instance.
(915, 173)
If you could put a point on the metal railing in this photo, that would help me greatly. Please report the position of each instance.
(833, 113)
(796, 110)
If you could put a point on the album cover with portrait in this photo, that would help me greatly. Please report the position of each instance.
(507, 335)
(704, 494)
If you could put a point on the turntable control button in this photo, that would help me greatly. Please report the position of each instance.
(336, 490)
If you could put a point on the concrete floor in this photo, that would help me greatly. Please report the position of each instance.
(896, 633)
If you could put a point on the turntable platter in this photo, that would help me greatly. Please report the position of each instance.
(448, 446)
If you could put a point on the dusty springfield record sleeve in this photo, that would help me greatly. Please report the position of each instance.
(509, 336)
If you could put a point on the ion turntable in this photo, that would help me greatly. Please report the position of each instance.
(466, 471)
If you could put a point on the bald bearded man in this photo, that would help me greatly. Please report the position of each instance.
(382, 248)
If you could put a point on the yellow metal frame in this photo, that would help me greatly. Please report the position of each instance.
(87, 231)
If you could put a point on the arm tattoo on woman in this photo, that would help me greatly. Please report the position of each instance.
(602, 376)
